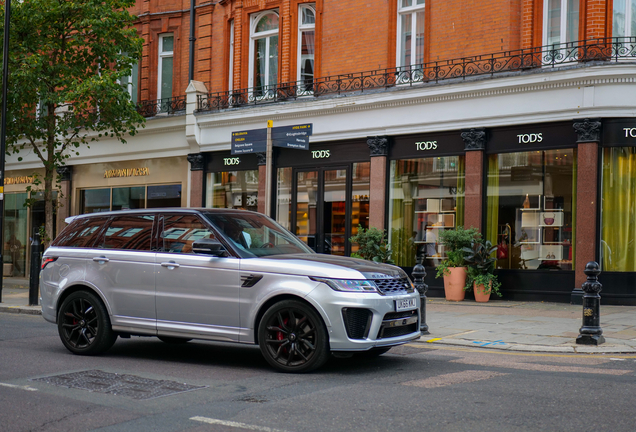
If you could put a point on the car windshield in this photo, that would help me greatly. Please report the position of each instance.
(255, 235)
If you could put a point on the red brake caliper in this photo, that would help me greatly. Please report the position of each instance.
(280, 336)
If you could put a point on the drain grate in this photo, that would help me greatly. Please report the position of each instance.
(121, 385)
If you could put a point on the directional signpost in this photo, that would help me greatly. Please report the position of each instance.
(263, 141)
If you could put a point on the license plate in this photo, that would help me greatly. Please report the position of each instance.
(404, 304)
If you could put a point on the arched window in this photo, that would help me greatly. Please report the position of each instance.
(306, 46)
(263, 52)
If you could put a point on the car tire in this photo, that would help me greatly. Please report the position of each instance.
(293, 338)
(83, 324)
(173, 340)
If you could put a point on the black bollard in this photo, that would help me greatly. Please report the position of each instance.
(419, 273)
(34, 273)
(591, 332)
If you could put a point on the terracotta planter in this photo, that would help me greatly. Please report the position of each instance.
(454, 284)
(482, 294)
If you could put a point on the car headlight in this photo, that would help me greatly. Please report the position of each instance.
(348, 285)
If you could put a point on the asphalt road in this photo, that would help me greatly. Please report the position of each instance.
(414, 387)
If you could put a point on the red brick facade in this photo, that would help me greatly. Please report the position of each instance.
(350, 36)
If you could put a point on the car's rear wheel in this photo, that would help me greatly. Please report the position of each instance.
(293, 337)
(84, 325)
(173, 340)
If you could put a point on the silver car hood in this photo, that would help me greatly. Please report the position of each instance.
(320, 265)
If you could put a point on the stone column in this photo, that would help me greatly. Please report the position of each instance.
(588, 138)
(379, 146)
(64, 199)
(197, 163)
(474, 144)
(262, 173)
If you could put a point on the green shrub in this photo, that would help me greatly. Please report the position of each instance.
(372, 245)
(454, 242)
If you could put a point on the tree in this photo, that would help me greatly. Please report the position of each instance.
(67, 59)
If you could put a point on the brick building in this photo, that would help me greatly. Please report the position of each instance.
(512, 116)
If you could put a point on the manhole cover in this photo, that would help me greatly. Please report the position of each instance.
(122, 385)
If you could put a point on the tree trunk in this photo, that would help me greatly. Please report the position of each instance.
(48, 207)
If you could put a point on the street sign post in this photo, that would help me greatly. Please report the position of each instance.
(249, 141)
(295, 136)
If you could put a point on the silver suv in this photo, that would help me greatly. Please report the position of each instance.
(222, 275)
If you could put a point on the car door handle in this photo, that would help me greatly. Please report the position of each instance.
(101, 259)
(170, 264)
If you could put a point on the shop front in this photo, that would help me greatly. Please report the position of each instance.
(322, 194)
(425, 197)
(231, 181)
(21, 221)
(138, 184)
(530, 208)
(617, 237)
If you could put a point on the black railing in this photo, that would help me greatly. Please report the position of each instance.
(168, 106)
(552, 56)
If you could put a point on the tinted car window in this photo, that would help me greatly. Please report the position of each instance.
(129, 233)
(180, 231)
(81, 232)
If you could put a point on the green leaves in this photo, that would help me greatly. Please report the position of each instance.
(372, 245)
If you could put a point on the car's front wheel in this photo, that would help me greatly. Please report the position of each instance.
(293, 337)
(84, 325)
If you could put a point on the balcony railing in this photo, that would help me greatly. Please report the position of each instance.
(552, 56)
(169, 106)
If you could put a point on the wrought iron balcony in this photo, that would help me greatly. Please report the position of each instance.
(605, 50)
(169, 106)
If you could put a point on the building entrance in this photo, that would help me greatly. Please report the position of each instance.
(328, 206)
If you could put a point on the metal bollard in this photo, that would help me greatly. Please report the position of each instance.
(34, 271)
(419, 273)
(591, 332)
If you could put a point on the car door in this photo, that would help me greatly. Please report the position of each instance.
(196, 294)
(121, 265)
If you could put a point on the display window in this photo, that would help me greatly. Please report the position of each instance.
(531, 203)
(128, 198)
(232, 189)
(618, 209)
(426, 196)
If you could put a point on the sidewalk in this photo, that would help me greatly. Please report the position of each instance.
(503, 325)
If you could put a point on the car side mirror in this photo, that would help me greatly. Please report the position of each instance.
(209, 247)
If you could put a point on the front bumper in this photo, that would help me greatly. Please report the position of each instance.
(361, 321)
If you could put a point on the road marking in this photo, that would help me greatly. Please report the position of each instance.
(27, 388)
(483, 344)
(522, 354)
(433, 340)
(454, 378)
(234, 424)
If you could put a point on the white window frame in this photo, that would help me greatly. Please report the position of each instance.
(628, 20)
(163, 55)
(255, 18)
(303, 28)
(230, 84)
(410, 10)
(563, 29)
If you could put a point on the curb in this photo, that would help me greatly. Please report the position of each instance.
(29, 310)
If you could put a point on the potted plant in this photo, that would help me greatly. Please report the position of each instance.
(453, 268)
(372, 245)
(481, 266)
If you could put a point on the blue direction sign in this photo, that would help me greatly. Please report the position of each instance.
(249, 141)
(296, 136)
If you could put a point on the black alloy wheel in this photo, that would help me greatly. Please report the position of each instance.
(293, 338)
(84, 325)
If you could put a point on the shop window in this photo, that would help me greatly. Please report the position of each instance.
(283, 197)
(306, 46)
(624, 23)
(264, 53)
(15, 234)
(164, 196)
(531, 202)
(426, 196)
(164, 71)
(128, 198)
(128, 233)
(560, 21)
(361, 180)
(618, 209)
(94, 200)
(410, 38)
(232, 189)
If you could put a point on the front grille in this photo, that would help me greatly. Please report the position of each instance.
(388, 329)
(394, 286)
(357, 322)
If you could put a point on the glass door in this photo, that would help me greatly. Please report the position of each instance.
(328, 206)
